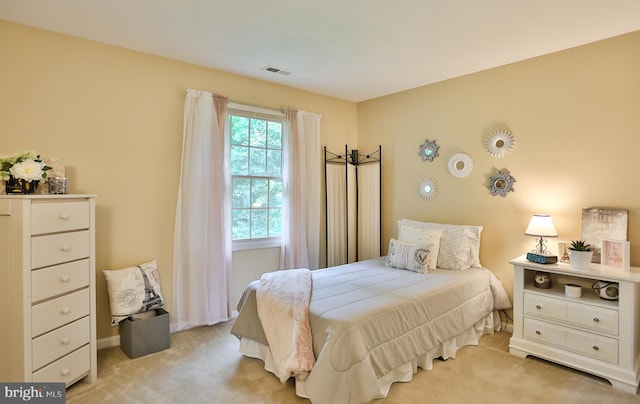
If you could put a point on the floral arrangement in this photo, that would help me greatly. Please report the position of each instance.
(26, 166)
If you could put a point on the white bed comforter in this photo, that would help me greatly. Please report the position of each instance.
(373, 325)
(283, 309)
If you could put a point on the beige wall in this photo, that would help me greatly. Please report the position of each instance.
(115, 117)
(575, 117)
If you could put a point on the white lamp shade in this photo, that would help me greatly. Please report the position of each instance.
(541, 226)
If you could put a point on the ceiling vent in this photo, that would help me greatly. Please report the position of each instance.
(277, 70)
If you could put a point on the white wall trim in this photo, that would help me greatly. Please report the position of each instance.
(109, 342)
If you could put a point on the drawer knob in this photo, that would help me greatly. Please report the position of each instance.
(65, 310)
(595, 348)
(64, 216)
(538, 306)
(538, 332)
(65, 278)
(65, 372)
(596, 319)
(65, 248)
(65, 341)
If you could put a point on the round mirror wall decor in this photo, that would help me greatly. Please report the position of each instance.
(427, 188)
(460, 165)
(500, 143)
(429, 150)
(501, 183)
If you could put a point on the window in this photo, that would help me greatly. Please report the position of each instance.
(256, 175)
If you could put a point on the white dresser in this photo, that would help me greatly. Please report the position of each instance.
(597, 336)
(47, 288)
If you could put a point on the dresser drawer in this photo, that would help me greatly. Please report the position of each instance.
(67, 369)
(54, 217)
(580, 315)
(58, 248)
(59, 279)
(60, 311)
(59, 342)
(595, 346)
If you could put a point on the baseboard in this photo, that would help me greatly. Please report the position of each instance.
(507, 327)
(109, 342)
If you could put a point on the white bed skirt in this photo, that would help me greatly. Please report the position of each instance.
(361, 377)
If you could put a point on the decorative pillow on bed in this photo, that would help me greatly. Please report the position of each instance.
(459, 244)
(133, 290)
(411, 256)
(413, 234)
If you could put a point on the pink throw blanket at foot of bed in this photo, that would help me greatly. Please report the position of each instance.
(283, 308)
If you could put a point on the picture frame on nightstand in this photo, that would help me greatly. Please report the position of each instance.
(563, 251)
(615, 253)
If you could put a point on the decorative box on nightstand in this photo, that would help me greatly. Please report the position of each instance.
(597, 336)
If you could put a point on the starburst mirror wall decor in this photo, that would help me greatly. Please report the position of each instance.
(429, 150)
(460, 165)
(427, 188)
(500, 143)
(501, 183)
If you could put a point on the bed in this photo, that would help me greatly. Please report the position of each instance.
(373, 324)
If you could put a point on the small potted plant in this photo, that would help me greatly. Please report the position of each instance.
(580, 254)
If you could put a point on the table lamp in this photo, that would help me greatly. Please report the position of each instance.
(541, 226)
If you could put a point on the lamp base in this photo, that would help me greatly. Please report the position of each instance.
(542, 259)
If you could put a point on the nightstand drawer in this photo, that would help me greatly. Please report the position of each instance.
(595, 346)
(544, 333)
(67, 369)
(55, 217)
(59, 342)
(58, 248)
(580, 315)
(594, 318)
(592, 345)
(540, 306)
(59, 279)
(59, 311)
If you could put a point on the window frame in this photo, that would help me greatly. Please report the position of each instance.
(251, 111)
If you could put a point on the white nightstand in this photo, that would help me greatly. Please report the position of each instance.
(594, 335)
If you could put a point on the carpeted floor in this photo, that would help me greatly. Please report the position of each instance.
(203, 365)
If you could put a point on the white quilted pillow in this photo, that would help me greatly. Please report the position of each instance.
(411, 256)
(130, 294)
(415, 234)
(459, 244)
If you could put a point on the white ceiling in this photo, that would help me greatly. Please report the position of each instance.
(349, 49)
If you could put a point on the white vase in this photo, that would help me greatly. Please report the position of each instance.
(580, 259)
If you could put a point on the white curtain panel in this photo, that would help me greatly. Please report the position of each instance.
(202, 238)
(302, 165)
(341, 214)
(352, 214)
(369, 211)
(336, 212)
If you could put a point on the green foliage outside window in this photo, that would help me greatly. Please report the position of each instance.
(256, 169)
